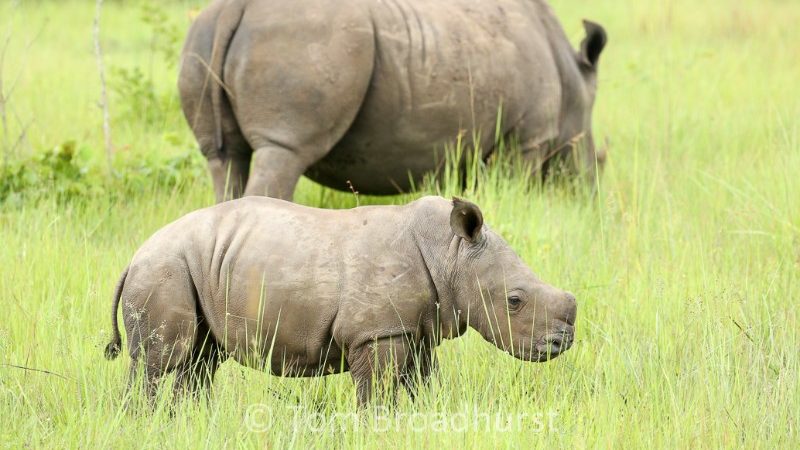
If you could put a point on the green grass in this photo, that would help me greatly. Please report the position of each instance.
(686, 265)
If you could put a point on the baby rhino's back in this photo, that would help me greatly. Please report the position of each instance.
(265, 274)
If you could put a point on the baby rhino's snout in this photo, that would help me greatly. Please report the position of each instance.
(570, 308)
(562, 328)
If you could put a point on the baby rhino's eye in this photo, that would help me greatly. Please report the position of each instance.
(514, 300)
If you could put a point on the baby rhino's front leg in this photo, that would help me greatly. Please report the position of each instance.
(378, 366)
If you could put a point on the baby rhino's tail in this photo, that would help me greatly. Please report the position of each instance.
(115, 346)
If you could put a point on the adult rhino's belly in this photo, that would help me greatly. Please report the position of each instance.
(376, 158)
(405, 126)
(392, 145)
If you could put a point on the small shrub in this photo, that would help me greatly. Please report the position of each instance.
(138, 100)
(56, 172)
(61, 172)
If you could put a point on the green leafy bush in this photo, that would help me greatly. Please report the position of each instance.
(54, 172)
(63, 173)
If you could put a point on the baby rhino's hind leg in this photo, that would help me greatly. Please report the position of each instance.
(161, 322)
(196, 374)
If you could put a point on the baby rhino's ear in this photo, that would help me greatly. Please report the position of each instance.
(466, 220)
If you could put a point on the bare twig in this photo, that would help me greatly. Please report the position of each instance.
(354, 191)
(25, 54)
(7, 90)
(98, 51)
(23, 136)
(4, 100)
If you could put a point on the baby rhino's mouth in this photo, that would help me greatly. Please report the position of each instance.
(554, 344)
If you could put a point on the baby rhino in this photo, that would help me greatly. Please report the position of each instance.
(310, 292)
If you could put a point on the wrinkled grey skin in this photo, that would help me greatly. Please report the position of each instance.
(371, 91)
(302, 291)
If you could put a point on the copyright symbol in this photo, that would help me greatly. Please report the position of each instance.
(258, 418)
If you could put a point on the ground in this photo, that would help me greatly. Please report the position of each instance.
(686, 265)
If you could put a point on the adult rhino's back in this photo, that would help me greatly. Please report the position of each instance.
(371, 91)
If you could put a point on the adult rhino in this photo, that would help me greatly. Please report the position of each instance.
(371, 91)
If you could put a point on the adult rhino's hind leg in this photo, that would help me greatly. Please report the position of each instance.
(229, 174)
(206, 107)
(229, 165)
(275, 173)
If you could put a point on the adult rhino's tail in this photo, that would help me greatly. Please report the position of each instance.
(201, 80)
(115, 346)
